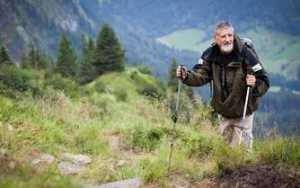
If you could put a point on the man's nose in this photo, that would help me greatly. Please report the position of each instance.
(227, 38)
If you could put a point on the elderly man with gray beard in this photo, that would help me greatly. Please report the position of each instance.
(227, 63)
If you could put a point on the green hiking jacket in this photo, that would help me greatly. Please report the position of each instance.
(228, 73)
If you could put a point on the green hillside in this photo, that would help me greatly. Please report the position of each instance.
(279, 52)
(189, 39)
(122, 122)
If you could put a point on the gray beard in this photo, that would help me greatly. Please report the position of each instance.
(226, 48)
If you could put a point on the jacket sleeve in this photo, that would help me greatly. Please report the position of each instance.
(262, 81)
(199, 75)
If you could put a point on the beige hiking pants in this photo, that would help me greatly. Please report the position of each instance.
(237, 130)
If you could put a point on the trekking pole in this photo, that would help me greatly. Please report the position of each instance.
(246, 102)
(174, 118)
(246, 137)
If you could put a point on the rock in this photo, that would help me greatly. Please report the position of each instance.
(73, 164)
(121, 163)
(76, 159)
(12, 164)
(68, 168)
(130, 183)
(3, 152)
(43, 158)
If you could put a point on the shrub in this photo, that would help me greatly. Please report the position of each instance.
(153, 170)
(143, 138)
(68, 86)
(121, 94)
(104, 104)
(99, 86)
(88, 141)
(5, 110)
(228, 158)
(144, 69)
(15, 80)
(198, 145)
(147, 86)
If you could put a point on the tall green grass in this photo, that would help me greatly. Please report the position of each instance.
(55, 122)
(280, 150)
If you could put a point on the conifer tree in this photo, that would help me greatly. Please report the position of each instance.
(173, 81)
(66, 61)
(109, 55)
(4, 57)
(34, 59)
(87, 72)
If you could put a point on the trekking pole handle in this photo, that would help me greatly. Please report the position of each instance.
(182, 72)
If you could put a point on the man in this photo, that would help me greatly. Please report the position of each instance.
(232, 66)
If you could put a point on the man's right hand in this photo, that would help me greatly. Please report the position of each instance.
(181, 72)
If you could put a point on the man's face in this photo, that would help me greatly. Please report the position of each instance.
(224, 39)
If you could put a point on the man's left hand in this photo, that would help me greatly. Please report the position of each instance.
(250, 80)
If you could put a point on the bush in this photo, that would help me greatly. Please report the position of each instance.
(144, 69)
(99, 86)
(153, 170)
(121, 95)
(5, 110)
(104, 104)
(143, 138)
(88, 141)
(198, 145)
(148, 86)
(69, 87)
(228, 159)
(15, 80)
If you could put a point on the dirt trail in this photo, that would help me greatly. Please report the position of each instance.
(258, 176)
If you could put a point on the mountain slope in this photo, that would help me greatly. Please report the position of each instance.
(138, 23)
(40, 23)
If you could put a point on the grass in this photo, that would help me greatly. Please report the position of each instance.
(280, 150)
(55, 123)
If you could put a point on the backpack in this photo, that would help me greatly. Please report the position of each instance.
(247, 43)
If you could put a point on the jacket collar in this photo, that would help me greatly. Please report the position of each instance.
(213, 52)
(238, 45)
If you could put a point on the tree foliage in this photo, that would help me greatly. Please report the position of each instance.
(86, 72)
(4, 56)
(173, 80)
(109, 55)
(34, 59)
(66, 61)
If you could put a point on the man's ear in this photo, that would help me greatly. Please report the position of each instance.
(214, 37)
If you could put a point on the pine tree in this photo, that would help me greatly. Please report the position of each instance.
(34, 59)
(173, 80)
(109, 55)
(87, 72)
(66, 61)
(4, 57)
